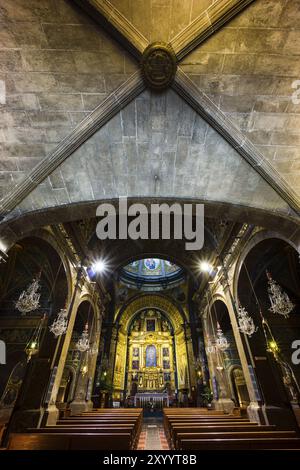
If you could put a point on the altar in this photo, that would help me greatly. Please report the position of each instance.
(159, 400)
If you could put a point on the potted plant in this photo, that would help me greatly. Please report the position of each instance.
(207, 397)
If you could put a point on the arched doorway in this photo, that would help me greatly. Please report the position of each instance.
(273, 261)
(35, 258)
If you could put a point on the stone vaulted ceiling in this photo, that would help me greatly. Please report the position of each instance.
(78, 126)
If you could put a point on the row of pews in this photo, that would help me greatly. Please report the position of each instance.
(101, 429)
(200, 429)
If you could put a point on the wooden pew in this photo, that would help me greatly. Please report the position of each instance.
(68, 441)
(259, 443)
(107, 429)
(229, 428)
(214, 436)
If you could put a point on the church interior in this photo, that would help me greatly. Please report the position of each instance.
(141, 344)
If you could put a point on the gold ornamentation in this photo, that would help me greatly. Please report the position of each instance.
(159, 65)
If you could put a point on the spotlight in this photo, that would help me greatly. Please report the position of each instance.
(99, 266)
(205, 267)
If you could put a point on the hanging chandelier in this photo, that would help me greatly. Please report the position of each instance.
(246, 323)
(29, 299)
(33, 345)
(83, 344)
(280, 302)
(221, 341)
(60, 324)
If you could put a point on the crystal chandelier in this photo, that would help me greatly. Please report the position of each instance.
(246, 323)
(83, 344)
(60, 324)
(29, 299)
(280, 302)
(221, 341)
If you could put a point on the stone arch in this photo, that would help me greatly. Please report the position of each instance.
(254, 241)
(173, 312)
(19, 225)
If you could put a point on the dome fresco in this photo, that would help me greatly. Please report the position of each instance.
(153, 272)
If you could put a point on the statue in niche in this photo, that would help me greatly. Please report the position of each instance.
(136, 325)
(165, 326)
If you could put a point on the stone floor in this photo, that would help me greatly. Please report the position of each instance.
(152, 435)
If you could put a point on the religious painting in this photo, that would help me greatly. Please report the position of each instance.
(165, 352)
(166, 364)
(135, 352)
(167, 377)
(135, 365)
(151, 263)
(151, 356)
(151, 325)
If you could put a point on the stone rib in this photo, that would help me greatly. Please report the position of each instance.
(206, 24)
(116, 24)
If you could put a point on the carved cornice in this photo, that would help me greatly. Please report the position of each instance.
(204, 106)
(94, 121)
(116, 24)
(206, 24)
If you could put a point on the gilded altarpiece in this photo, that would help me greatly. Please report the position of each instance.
(151, 362)
(150, 350)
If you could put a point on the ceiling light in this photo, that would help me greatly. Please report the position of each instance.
(205, 267)
(99, 266)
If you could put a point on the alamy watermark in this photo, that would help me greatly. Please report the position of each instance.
(2, 352)
(137, 221)
(296, 354)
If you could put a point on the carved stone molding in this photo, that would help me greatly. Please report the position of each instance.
(100, 116)
(117, 24)
(204, 106)
(206, 24)
(159, 65)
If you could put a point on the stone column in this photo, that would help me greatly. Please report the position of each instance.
(190, 356)
(254, 409)
(51, 412)
(222, 400)
(82, 399)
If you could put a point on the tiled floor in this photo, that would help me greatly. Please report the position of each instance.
(153, 436)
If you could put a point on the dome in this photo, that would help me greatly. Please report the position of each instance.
(151, 274)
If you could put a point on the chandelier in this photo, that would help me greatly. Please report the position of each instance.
(30, 298)
(280, 302)
(246, 323)
(60, 324)
(83, 344)
(221, 341)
